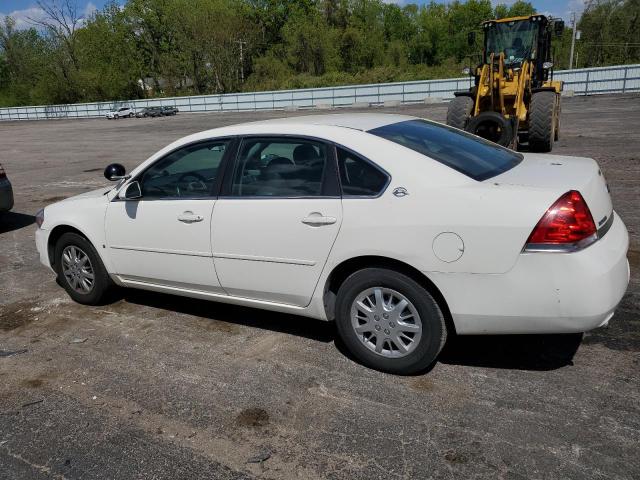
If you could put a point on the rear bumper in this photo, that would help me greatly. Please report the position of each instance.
(6, 196)
(544, 292)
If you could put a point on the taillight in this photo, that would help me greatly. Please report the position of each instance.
(3, 174)
(566, 226)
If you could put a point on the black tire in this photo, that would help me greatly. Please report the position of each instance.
(102, 282)
(492, 126)
(459, 112)
(434, 330)
(542, 121)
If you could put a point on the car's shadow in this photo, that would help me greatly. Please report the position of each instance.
(517, 352)
(10, 221)
(234, 314)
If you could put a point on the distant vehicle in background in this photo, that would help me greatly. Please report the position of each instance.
(122, 112)
(168, 110)
(150, 112)
(6, 192)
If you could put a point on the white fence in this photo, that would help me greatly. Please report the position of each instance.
(587, 81)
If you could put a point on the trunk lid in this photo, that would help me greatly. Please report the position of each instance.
(561, 174)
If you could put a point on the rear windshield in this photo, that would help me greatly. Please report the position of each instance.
(466, 153)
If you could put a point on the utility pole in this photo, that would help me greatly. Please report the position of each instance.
(241, 42)
(573, 39)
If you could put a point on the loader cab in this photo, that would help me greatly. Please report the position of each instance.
(523, 39)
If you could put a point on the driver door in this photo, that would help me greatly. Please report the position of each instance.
(163, 237)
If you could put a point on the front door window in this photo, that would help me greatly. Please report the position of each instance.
(189, 172)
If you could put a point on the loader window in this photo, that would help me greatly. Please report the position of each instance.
(517, 40)
(473, 156)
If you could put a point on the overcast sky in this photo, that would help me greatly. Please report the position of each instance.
(22, 10)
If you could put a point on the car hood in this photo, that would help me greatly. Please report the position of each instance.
(98, 193)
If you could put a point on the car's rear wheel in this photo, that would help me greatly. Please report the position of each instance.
(389, 322)
(80, 270)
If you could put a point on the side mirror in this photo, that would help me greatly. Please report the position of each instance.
(558, 28)
(114, 172)
(132, 192)
(471, 38)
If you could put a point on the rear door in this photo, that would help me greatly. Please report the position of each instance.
(277, 219)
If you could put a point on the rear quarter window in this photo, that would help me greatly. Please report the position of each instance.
(358, 177)
(473, 156)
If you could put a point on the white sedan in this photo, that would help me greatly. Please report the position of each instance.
(400, 229)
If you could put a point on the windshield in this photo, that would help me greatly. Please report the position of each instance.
(517, 40)
(473, 156)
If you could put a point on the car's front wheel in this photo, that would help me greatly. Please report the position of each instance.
(80, 270)
(389, 322)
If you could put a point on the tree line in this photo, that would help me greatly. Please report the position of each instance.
(187, 47)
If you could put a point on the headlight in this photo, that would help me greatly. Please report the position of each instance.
(40, 217)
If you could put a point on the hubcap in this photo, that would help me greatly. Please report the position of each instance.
(386, 322)
(77, 269)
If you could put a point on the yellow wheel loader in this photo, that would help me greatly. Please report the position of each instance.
(514, 98)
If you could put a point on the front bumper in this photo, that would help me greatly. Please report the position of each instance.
(42, 240)
(6, 195)
(544, 292)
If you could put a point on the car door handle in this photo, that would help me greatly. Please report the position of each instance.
(317, 219)
(190, 217)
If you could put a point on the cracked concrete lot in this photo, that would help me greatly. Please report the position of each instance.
(160, 387)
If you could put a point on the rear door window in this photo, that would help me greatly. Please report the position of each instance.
(473, 156)
(274, 167)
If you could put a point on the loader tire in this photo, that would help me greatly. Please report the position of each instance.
(556, 135)
(542, 121)
(459, 112)
(493, 127)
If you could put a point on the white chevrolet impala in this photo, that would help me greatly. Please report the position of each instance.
(400, 229)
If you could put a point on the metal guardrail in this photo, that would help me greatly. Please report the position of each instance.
(586, 81)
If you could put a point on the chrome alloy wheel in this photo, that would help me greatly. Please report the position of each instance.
(77, 269)
(386, 322)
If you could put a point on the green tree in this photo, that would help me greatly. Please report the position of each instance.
(110, 63)
(182, 47)
(309, 42)
(610, 32)
(23, 56)
(521, 9)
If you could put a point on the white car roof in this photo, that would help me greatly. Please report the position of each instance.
(321, 125)
(357, 121)
(291, 125)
